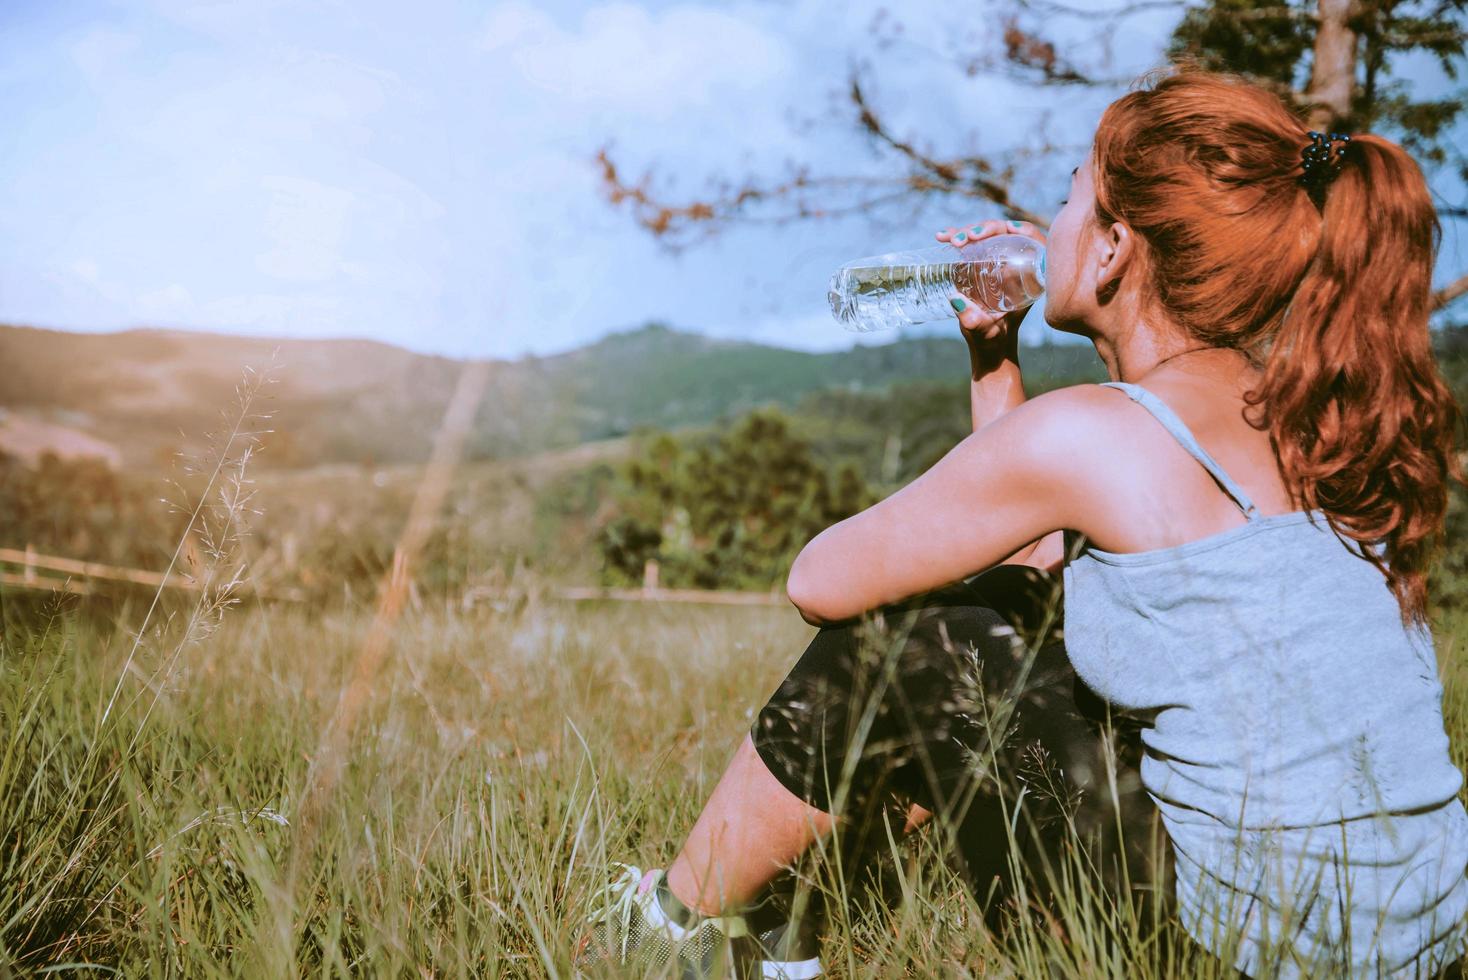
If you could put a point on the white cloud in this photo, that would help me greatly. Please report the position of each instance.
(620, 56)
(423, 172)
(289, 98)
(226, 18)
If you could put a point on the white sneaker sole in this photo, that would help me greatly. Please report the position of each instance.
(791, 969)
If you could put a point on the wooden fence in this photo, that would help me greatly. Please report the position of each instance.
(78, 577)
(591, 594)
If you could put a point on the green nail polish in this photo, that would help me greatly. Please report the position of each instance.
(1017, 225)
(958, 237)
(958, 304)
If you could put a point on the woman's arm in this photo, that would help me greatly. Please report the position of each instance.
(1024, 475)
(996, 384)
(993, 338)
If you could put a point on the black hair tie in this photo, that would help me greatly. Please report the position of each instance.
(1321, 160)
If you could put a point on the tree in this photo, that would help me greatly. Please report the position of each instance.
(1332, 59)
(730, 511)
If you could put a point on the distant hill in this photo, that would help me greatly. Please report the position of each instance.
(148, 393)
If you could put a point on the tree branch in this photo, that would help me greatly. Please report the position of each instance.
(1450, 292)
(950, 175)
(1051, 8)
(1034, 52)
(1023, 54)
(974, 177)
(1025, 57)
(1443, 35)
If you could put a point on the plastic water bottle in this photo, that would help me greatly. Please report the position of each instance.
(884, 292)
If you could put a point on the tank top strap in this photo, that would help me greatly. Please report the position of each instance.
(1184, 436)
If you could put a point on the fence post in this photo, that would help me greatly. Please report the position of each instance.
(650, 575)
(30, 564)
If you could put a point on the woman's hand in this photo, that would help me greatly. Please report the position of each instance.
(987, 332)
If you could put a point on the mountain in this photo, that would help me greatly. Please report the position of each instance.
(149, 393)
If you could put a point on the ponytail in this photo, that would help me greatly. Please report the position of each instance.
(1327, 290)
(1358, 413)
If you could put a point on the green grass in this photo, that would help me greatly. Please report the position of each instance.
(163, 810)
(504, 758)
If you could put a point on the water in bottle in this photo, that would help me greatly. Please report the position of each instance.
(884, 292)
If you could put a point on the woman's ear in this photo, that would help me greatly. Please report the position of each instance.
(1115, 250)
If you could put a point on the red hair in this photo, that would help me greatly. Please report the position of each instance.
(1328, 293)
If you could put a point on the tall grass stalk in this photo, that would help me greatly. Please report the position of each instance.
(225, 464)
(63, 797)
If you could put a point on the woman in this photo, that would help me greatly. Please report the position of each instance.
(1254, 501)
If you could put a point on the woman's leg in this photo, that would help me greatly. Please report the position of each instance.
(760, 825)
(874, 710)
(751, 828)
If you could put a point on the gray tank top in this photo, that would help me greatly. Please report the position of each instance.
(1294, 738)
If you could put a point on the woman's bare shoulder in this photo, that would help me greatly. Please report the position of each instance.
(1070, 418)
(1079, 436)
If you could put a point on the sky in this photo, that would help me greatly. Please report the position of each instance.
(424, 174)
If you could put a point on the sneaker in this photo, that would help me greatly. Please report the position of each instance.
(788, 954)
(788, 939)
(631, 927)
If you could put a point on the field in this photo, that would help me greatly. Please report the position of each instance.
(503, 758)
(198, 783)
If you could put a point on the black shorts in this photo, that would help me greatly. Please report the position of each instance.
(963, 701)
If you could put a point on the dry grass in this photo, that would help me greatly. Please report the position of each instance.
(503, 759)
(152, 771)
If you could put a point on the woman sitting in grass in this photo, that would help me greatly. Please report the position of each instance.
(1249, 509)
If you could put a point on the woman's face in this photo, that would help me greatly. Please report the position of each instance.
(1068, 298)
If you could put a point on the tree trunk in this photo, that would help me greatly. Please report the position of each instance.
(1333, 74)
(1332, 82)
